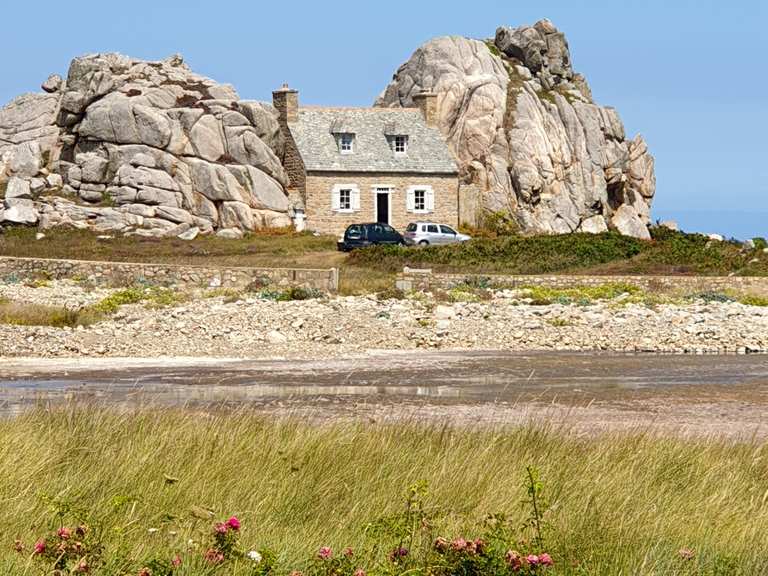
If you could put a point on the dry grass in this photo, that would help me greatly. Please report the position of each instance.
(21, 314)
(264, 249)
(617, 504)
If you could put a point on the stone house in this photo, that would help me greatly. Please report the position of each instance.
(351, 165)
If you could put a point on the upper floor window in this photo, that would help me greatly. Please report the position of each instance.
(346, 143)
(401, 144)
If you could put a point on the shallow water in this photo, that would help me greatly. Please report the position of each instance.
(706, 394)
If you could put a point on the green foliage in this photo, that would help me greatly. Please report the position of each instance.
(545, 295)
(760, 243)
(112, 303)
(292, 293)
(500, 223)
(753, 300)
(669, 252)
(492, 47)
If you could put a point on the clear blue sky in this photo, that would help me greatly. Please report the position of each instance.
(691, 76)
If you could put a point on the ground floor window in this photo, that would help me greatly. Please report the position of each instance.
(345, 198)
(420, 199)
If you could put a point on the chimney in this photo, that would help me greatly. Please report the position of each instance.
(426, 101)
(286, 102)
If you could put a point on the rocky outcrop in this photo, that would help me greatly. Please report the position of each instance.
(140, 147)
(526, 132)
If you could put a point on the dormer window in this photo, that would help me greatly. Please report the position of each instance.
(401, 144)
(346, 143)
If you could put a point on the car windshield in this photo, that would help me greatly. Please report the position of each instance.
(411, 227)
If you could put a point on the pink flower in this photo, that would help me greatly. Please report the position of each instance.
(458, 544)
(546, 560)
(532, 559)
(233, 523)
(64, 533)
(220, 527)
(176, 562)
(325, 553)
(479, 545)
(514, 560)
(398, 553)
(359, 572)
(213, 556)
(348, 552)
(82, 567)
(40, 546)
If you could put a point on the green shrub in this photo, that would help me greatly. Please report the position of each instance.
(111, 303)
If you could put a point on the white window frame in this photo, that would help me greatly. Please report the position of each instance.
(342, 142)
(354, 198)
(382, 189)
(429, 200)
(404, 139)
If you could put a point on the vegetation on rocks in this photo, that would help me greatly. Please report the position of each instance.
(312, 491)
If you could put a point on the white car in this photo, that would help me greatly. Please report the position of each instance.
(432, 233)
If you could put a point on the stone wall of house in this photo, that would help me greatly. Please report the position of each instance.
(322, 218)
(124, 273)
(415, 279)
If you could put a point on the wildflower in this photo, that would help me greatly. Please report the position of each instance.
(145, 572)
(479, 545)
(40, 546)
(513, 560)
(152, 530)
(64, 533)
(325, 553)
(18, 546)
(686, 553)
(220, 527)
(296, 573)
(458, 544)
(470, 547)
(233, 523)
(77, 546)
(82, 567)
(213, 556)
(348, 552)
(398, 553)
(255, 556)
(81, 530)
(176, 562)
(359, 572)
(532, 559)
(546, 559)
(441, 544)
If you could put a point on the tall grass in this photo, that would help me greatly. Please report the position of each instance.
(617, 504)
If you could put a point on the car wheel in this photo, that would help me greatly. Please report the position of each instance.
(423, 243)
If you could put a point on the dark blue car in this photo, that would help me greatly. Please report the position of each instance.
(362, 235)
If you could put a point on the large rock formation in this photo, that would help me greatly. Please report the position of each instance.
(527, 133)
(139, 147)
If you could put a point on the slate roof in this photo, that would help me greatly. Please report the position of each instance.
(427, 153)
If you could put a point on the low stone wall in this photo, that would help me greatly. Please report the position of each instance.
(125, 273)
(412, 279)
